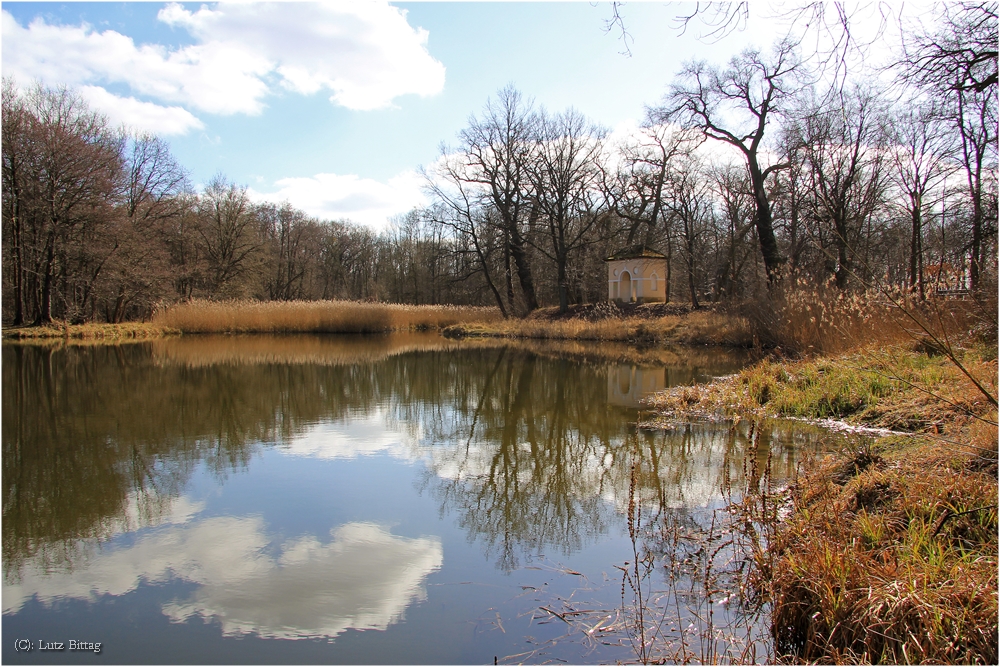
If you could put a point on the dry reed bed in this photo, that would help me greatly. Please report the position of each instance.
(696, 328)
(889, 557)
(804, 320)
(313, 317)
(797, 320)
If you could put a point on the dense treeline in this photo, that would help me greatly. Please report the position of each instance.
(742, 175)
(100, 224)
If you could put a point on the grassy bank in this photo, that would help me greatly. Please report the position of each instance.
(889, 552)
(125, 331)
(314, 317)
(895, 388)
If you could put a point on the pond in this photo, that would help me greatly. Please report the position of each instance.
(396, 499)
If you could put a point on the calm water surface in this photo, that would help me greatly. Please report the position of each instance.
(398, 499)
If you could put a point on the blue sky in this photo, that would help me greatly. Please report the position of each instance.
(334, 106)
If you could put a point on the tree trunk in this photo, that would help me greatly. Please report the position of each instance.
(508, 274)
(765, 225)
(666, 282)
(843, 270)
(916, 250)
(977, 259)
(689, 247)
(45, 307)
(563, 287)
(517, 250)
(18, 268)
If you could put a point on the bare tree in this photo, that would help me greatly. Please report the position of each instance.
(825, 31)
(138, 272)
(637, 191)
(565, 173)
(228, 233)
(720, 18)
(957, 64)
(734, 106)
(975, 116)
(459, 209)
(920, 161)
(288, 235)
(17, 185)
(960, 54)
(844, 148)
(690, 203)
(498, 146)
(733, 191)
(153, 180)
(62, 167)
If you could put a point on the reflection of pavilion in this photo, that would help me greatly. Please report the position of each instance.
(628, 385)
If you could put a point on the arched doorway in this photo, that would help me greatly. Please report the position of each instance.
(625, 289)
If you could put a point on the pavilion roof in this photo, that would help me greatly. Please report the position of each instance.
(636, 252)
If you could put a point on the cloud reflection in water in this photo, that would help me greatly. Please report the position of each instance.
(363, 577)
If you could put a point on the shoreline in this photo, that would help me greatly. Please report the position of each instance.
(122, 332)
(647, 325)
(888, 553)
(650, 326)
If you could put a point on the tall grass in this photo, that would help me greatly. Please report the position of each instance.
(804, 319)
(891, 558)
(893, 388)
(199, 316)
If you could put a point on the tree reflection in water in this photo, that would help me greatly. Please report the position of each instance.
(541, 461)
(520, 442)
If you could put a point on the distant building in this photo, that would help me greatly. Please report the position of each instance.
(637, 274)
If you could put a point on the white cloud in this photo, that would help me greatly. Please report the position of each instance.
(364, 54)
(139, 115)
(363, 577)
(222, 79)
(362, 200)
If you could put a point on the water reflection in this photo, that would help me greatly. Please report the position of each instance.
(86, 429)
(628, 385)
(362, 434)
(527, 448)
(557, 489)
(362, 577)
